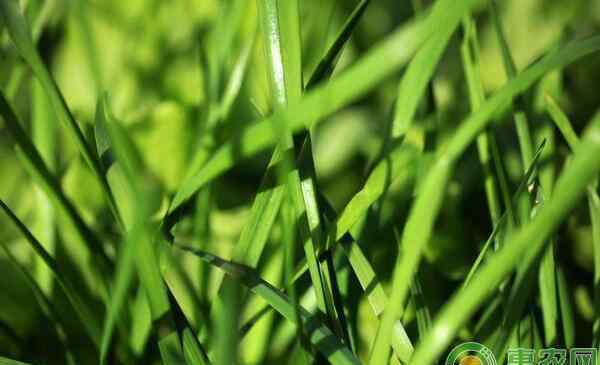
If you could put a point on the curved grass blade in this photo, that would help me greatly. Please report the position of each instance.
(89, 321)
(424, 211)
(319, 335)
(45, 305)
(21, 36)
(533, 236)
(371, 285)
(140, 236)
(168, 320)
(379, 63)
(411, 89)
(36, 166)
(421, 67)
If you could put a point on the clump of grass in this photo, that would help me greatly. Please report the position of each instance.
(162, 231)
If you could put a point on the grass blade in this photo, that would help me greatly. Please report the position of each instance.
(500, 225)
(45, 305)
(5, 361)
(379, 63)
(83, 311)
(319, 335)
(21, 36)
(419, 225)
(569, 187)
(36, 166)
(564, 125)
(328, 62)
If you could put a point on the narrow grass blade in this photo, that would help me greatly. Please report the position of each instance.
(470, 59)
(328, 62)
(561, 120)
(533, 236)
(145, 240)
(6, 361)
(44, 137)
(36, 166)
(83, 311)
(521, 123)
(369, 282)
(502, 220)
(319, 335)
(566, 128)
(379, 63)
(122, 282)
(399, 166)
(547, 282)
(424, 211)
(45, 305)
(20, 34)
(421, 67)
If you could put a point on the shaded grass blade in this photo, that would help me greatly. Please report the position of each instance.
(327, 64)
(143, 234)
(89, 321)
(569, 188)
(379, 63)
(424, 211)
(319, 335)
(36, 166)
(21, 36)
(45, 305)
(500, 225)
(564, 125)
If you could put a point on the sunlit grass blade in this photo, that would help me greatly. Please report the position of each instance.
(6, 361)
(411, 89)
(441, 22)
(563, 123)
(364, 272)
(319, 335)
(83, 310)
(471, 65)
(570, 187)
(521, 122)
(418, 228)
(21, 36)
(379, 63)
(35, 165)
(44, 137)
(399, 166)
(145, 237)
(547, 282)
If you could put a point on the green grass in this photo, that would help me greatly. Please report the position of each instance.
(297, 182)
